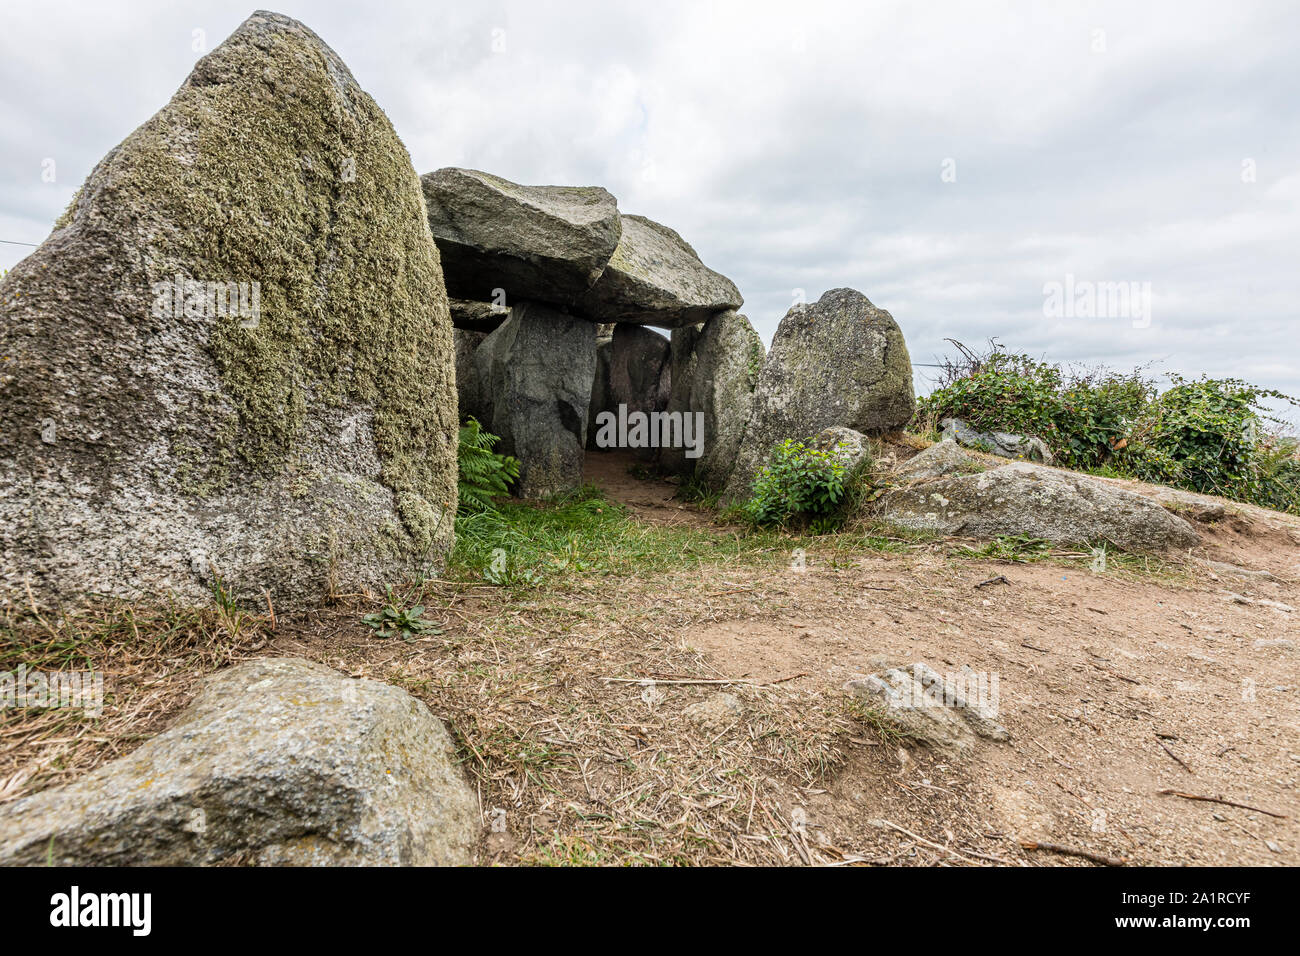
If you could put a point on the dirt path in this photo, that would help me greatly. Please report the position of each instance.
(1115, 685)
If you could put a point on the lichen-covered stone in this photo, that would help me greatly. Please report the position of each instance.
(534, 376)
(655, 278)
(281, 761)
(715, 369)
(632, 369)
(851, 447)
(534, 243)
(1021, 498)
(147, 450)
(839, 361)
(947, 713)
(1002, 444)
(941, 458)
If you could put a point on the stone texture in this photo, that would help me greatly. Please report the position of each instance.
(469, 395)
(655, 278)
(1027, 499)
(477, 316)
(715, 713)
(282, 761)
(839, 361)
(633, 368)
(311, 442)
(941, 458)
(1002, 444)
(535, 377)
(940, 711)
(537, 243)
(851, 446)
(715, 368)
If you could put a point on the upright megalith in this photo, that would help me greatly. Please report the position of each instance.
(231, 362)
(534, 376)
(715, 369)
(839, 361)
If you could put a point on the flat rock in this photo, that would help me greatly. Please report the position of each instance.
(277, 761)
(946, 712)
(840, 361)
(232, 360)
(941, 458)
(655, 278)
(1002, 444)
(1026, 499)
(477, 316)
(535, 243)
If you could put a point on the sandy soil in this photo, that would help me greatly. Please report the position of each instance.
(1115, 685)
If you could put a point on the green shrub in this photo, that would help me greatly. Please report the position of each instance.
(484, 475)
(1208, 435)
(1079, 417)
(799, 484)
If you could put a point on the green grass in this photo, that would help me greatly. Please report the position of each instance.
(1019, 548)
(522, 544)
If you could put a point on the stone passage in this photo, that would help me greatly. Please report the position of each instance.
(528, 268)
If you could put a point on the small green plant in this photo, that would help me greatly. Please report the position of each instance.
(390, 621)
(800, 484)
(506, 571)
(1019, 548)
(484, 475)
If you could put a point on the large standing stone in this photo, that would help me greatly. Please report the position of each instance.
(154, 435)
(539, 243)
(1021, 498)
(535, 374)
(839, 361)
(714, 370)
(656, 278)
(279, 760)
(633, 368)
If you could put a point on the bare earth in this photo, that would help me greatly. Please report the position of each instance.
(1114, 686)
(583, 709)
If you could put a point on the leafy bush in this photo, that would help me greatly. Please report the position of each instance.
(799, 484)
(1208, 435)
(484, 475)
(1079, 417)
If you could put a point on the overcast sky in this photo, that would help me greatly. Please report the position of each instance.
(947, 159)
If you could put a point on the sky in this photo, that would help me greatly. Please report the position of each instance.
(977, 169)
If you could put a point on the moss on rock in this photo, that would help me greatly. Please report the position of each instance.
(273, 169)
